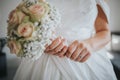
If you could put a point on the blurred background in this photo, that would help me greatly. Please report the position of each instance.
(9, 63)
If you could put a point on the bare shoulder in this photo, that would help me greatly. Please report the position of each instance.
(101, 22)
(101, 13)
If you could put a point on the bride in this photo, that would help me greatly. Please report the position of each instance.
(79, 54)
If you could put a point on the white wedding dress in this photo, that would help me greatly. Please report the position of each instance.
(78, 17)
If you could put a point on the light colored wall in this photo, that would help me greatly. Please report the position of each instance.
(115, 22)
(0, 20)
(5, 7)
(115, 14)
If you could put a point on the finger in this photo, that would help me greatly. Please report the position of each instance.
(61, 54)
(50, 52)
(85, 58)
(60, 46)
(82, 54)
(77, 52)
(46, 46)
(54, 52)
(54, 44)
(72, 48)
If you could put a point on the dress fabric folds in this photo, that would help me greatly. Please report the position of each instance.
(78, 17)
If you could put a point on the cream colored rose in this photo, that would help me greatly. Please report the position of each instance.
(37, 9)
(25, 29)
(14, 46)
(16, 17)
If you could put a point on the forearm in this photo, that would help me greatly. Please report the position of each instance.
(99, 40)
(102, 36)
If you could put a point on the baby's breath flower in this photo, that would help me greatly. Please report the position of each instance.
(34, 31)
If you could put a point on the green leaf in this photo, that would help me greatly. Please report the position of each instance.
(26, 19)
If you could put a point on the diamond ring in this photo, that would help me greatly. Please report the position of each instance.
(80, 56)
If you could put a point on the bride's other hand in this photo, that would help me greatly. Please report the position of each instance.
(57, 47)
(78, 51)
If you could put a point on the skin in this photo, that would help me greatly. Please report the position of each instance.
(80, 51)
(57, 47)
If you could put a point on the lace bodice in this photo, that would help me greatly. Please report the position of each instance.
(78, 18)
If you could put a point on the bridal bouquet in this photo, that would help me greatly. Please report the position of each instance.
(30, 26)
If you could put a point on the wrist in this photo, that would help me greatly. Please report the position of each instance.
(89, 44)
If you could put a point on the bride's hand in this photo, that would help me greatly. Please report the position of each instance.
(78, 51)
(57, 47)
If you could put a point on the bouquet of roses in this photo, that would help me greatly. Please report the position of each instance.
(30, 26)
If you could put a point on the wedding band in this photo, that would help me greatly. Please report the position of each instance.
(80, 56)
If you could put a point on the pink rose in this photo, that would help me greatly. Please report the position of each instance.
(37, 10)
(14, 46)
(25, 29)
(16, 17)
